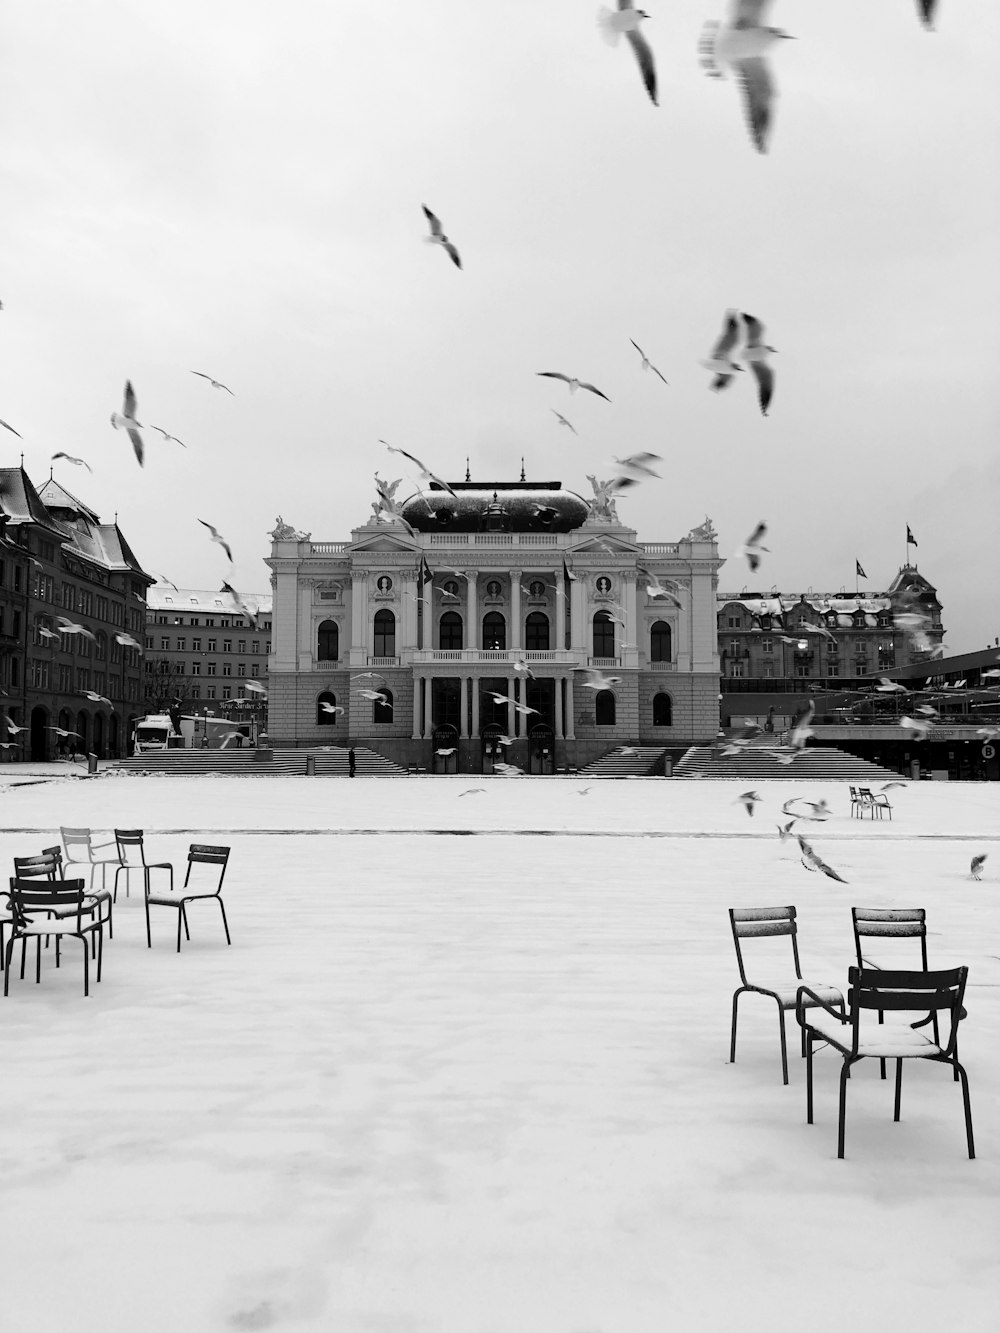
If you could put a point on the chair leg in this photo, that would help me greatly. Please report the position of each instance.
(100, 950)
(732, 1037)
(784, 1049)
(968, 1109)
(38, 959)
(6, 964)
(225, 923)
(149, 940)
(844, 1073)
(24, 950)
(899, 1089)
(180, 919)
(86, 964)
(809, 1076)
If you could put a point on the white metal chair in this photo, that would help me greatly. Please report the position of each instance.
(81, 850)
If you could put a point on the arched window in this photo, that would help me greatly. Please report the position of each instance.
(660, 642)
(604, 635)
(663, 710)
(494, 630)
(382, 711)
(328, 641)
(604, 709)
(384, 642)
(450, 630)
(536, 631)
(325, 704)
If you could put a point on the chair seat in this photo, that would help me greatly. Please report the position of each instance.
(894, 1039)
(55, 926)
(787, 990)
(176, 899)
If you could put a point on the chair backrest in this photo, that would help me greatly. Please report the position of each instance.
(865, 793)
(57, 856)
(854, 793)
(205, 853)
(130, 837)
(77, 837)
(754, 922)
(27, 895)
(43, 866)
(907, 992)
(890, 923)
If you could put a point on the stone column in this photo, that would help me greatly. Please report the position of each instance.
(471, 604)
(514, 637)
(578, 629)
(408, 590)
(359, 618)
(475, 707)
(418, 690)
(463, 706)
(570, 727)
(511, 715)
(630, 646)
(559, 709)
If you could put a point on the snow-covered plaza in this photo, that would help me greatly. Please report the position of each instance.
(480, 1084)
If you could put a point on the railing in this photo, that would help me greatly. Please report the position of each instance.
(660, 548)
(494, 539)
(328, 548)
(662, 666)
(327, 664)
(383, 661)
(499, 656)
(604, 661)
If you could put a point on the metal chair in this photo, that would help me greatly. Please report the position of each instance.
(58, 908)
(858, 803)
(877, 804)
(783, 987)
(128, 841)
(199, 854)
(80, 850)
(856, 1038)
(49, 864)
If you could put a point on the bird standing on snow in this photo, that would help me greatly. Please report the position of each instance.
(755, 354)
(126, 418)
(721, 362)
(977, 865)
(437, 236)
(626, 22)
(741, 44)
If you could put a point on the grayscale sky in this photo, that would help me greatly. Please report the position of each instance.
(235, 187)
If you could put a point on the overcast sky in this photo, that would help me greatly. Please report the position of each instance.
(236, 188)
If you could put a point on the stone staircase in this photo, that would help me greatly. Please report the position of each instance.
(628, 761)
(815, 761)
(264, 763)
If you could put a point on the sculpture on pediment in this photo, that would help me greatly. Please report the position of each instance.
(704, 532)
(603, 503)
(284, 532)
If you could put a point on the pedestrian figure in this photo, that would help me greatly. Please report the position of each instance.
(350, 762)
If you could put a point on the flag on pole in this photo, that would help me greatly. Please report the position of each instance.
(910, 539)
(568, 574)
(861, 572)
(425, 572)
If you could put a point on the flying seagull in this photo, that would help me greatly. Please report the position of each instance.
(255, 686)
(126, 418)
(218, 537)
(127, 641)
(61, 731)
(241, 606)
(752, 548)
(741, 44)
(573, 383)
(755, 354)
(720, 361)
(330, 708)
(812, 861)
(563, 422)
(748, 800)
(976, 867)
(80, 462)
(598, 681)
(167, 436)
(45, 633)
(637, 463)
(216, 384)
(73, 627)
(422, 468)
(646, 363)
(13, 728)
(626, 21)
(437, 236)
(12, 430)
(96, 698)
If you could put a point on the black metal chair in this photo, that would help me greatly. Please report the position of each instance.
(128, 841)
(55, 908)
(857, 1038)
(784, 983)
(199, 854)
(49, 864)
(877, 804)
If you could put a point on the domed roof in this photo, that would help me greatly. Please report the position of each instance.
(496, 507)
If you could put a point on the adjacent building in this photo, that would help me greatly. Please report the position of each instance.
(202, 650)
(72, 593)
(491, 622)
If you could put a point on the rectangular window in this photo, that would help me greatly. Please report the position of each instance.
(196, 645)
(178, 668)
(195, 691)
(227, 668)
(16, 628)
(211, 670)
(832, 669)
(735, 669)
(242, 645)
(149, 641)
(65, 677)
(227, 645)
(255, 646)
(255, 669)
(802, 670)
(82, 678)
(17, 578)
(227, 691)
(211, 645)
(768, 669)
(767, 645)
(734, 645)
(241, 669)
(102, 608)
(182, 644)
(733, 622)
(267, 648)
(210, 622)
(210, 692)
(195, 668)
(164, 645)
(86, 603)
(193, 621)
(15, 671)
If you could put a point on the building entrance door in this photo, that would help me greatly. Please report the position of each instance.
(444, 757)
(542, 750)
(39, 740)
(493, 753)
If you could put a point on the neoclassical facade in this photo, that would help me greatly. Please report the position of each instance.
(493, 622)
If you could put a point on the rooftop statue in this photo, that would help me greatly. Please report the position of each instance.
(284, 532)
(703, 533)
(603, 503)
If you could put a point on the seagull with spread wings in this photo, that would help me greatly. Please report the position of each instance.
(6, 426)
(646, 363)
(437, 236)
(240, 604)
(216, 384)
(720, 361)
(755, 354)
(73, 627)
(812, 861)
(598, 681)
(79, 462)
(422, 468)
(563, 422)
(167, 436)
(125, 419)
(573, 382)
(752, 547)
(625, 23)
(218, 538)
(96, 698)
(741, 44)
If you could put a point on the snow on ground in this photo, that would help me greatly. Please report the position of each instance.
(481, 1084)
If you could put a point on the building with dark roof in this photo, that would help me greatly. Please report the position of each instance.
(501, 621)
(79, 589)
